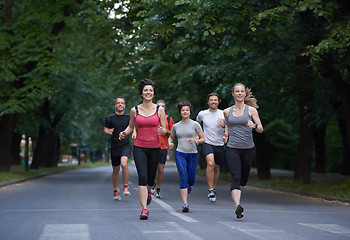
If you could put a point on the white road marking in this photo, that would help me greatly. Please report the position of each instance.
(172, 228)
(259, 231)
(332, 228)
(65, 232)
(172, 211)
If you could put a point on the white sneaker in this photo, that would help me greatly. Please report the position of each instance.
(158, 195)
(153, 189)
(126, 191)
(116, 194)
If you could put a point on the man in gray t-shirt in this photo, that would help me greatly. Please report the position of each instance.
(213, 148)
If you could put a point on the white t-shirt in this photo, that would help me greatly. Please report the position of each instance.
(213, 132)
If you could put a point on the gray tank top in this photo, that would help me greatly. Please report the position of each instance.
(240, 135)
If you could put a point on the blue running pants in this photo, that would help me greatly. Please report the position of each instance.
(186, 164)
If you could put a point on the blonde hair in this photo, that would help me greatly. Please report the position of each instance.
(249, 99)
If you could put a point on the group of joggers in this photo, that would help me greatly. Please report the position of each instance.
(156, 132)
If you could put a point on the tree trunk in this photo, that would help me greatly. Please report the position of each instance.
(45, 153)
(342, 108)
(16, 148)
(320, 148)
(345, 168)
(343, 89)
(7, 129)
(305, 145)
(263, 156)
(8, 11)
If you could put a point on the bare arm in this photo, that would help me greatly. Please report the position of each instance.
(201, 139)
(162, 129)
(170, 141)
(227, 128)
(108, 131)
(255, 116)
(129, 129)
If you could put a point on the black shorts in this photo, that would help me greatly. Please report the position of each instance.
(163, 155)
(218, 152)
(118, 152)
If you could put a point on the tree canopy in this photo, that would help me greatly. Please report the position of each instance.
(63, 63)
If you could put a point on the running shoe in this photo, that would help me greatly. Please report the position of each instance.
(149, 198)
(153, 189)
(211, 195)
(126, 191)
(238, 211)
(158, 195)
(116, 194)
(144, 214)
(185, 207)
(189, 189)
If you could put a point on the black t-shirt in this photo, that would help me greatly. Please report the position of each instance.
(119, 123)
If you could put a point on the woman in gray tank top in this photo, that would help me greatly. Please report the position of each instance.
(241, 119)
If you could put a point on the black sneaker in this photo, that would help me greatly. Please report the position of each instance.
(149, 198)
(185, 207)
(211, 195)
(158, 195)
(238, 211)
(189, 189)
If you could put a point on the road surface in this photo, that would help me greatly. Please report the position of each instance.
(79, 205)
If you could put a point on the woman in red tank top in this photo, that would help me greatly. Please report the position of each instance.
(147, 116)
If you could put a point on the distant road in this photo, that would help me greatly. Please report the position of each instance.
(79, 205)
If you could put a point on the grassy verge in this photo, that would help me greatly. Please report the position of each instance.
(18, 172)
(324, 189)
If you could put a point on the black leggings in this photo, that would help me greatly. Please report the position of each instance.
(239, 162)
(146, 161)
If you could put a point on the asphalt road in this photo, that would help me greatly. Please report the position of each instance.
(78, 204)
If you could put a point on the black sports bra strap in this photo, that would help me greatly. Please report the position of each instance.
(136, 108)
(157, 108)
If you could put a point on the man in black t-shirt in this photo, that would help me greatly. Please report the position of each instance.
(120, 148)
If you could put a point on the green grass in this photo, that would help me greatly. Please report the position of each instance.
(18, 172)
(323, 189)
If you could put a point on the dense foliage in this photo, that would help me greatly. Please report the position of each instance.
(63, 63)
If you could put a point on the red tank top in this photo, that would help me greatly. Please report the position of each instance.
(146, 130)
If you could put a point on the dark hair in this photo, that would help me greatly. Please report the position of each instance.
(145, 82)
(120, 97)
(161, 101)
(214, 94)
(182, 104)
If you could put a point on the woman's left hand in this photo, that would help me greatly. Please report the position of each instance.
(251, 124)
(161, 131)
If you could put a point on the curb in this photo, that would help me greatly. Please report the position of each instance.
(303, 194)
(4, 184)
(289, 191)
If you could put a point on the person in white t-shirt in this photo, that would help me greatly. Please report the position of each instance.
(213, 148)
